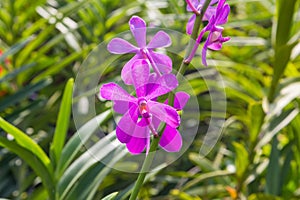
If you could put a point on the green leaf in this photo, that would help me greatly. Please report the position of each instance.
(16, 72)
(283, 97)
(286, 169)
(282, 57)
(208, 191)
(26, 142)
(285, 12)
(32, 160)
(206, 166)
(62, 123)
(203, 163)
(241, 159)
(257, 115)
(78, 140)
(38, 40)
(263, 197)
(272, 178)
(204, 176)
(271, 127)
(120, 13)
(296, 130)
(73, 7)
(283, 26)
(111, 196)
(62, 64)
(15, 48)
(94, 154)
(38, 193)
(23, 93)
(179, 194)
(88, 184)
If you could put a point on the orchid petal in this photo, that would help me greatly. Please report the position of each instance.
(126, 71)
(162, 61)
(195, 3)
(121, 106)
(181, 98)
(112, 91)
(127, 124)
(211, 23)
(136, 145)
(216, 40)
(165, 113)
(140, 140)
(222, 19)
(153, 78)
(209, 13)
(171, 140)
(213, 2)
(201, 2)
(120, 46)
(138, 29)
(160, 39)
(142, 122)
(190, 24)
(140, 73)
(204, 52)
(163, 85)
(214, 36)
(155, 122)
(215, 46)
(220, 5)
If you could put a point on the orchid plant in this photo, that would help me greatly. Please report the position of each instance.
(256, 108)
(150, 73)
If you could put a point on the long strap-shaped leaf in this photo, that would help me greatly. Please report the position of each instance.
(62, 123)
(23, 93)
(88, 184)
(78, 140)
(27, 143)
(33, 161)
(93, 155)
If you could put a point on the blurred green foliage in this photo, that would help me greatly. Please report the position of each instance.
(42, 44)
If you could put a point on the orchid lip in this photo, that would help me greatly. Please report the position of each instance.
(143, 108)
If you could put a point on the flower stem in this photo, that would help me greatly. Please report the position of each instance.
(145, 168)
(154, 144)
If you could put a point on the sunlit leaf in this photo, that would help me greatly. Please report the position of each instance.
(241, 159)
(62, 123)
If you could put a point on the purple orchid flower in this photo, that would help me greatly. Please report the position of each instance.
(160, 63)
(143, 114)
(214, 39)
(196, 6)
